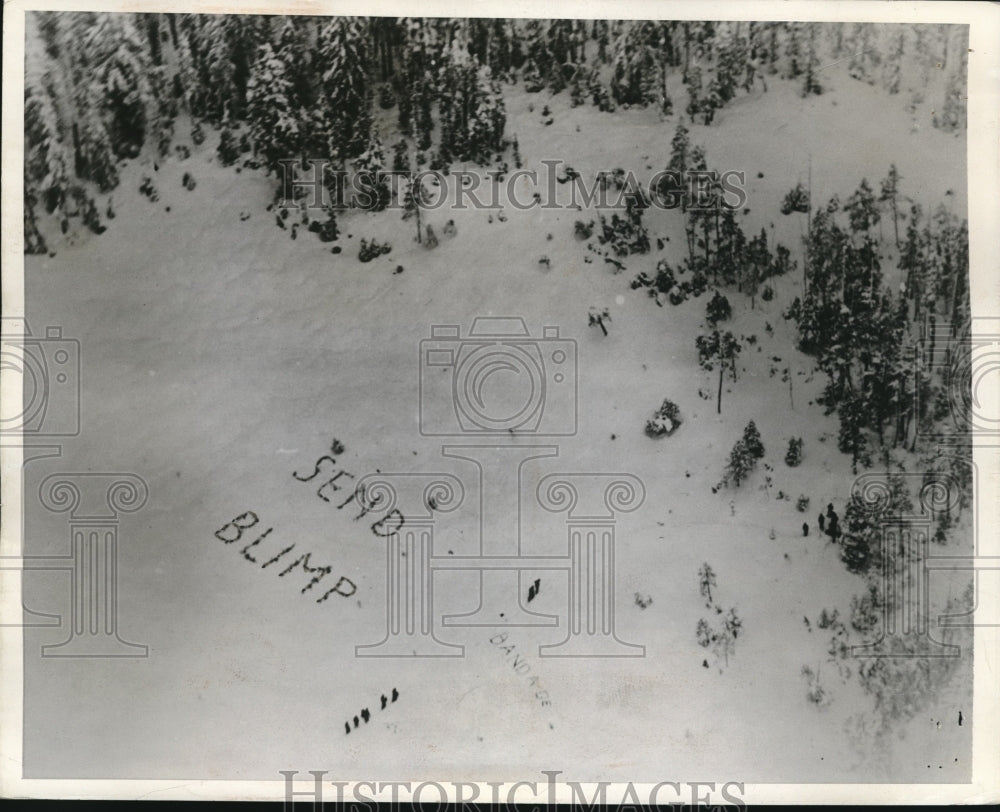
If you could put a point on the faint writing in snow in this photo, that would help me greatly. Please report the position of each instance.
(521, 666)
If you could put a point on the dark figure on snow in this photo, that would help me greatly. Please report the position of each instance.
(384, 701)
(805, 528)
(822, 523)
(395, 694)
(365, 715)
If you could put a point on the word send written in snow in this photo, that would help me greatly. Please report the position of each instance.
(388, 525)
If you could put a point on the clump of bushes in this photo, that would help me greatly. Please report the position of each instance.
(665, 420)
(793, 456)
(370, 251)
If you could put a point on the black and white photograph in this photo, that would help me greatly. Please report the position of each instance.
(597, 407)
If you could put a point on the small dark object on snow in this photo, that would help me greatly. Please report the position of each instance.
(295, 229)
(365, 714)
(356, 722)
(822, 523)
(534, 589)
(395, 694)
(760, 174)
(284, 214)
(449, 229)
(335, 249)
(399, 269)
(385, 700)
(167, 208)
(279, 221)
(156, 166)
(704, 663)
(805, 528)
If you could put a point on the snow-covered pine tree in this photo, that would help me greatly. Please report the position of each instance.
(115, 49)
(752, 441)
(953, 109)
(371, 173)
(46, 161)
(719, 350)
(864, 54)
(228, 149)
(342, 60)
(274, 126)
(889, 193)
(861, 208)
(639, 71)
(892, 72)
(811, 85)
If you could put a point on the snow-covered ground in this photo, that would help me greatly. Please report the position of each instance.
(219, 357)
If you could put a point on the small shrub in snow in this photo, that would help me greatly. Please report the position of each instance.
(228, 149)
(197, 134)
(816, 693)
(665, 421)
(722, 640)
(599, 318)
(796, 200)
(751, 439)
(793, 456)
(370, 251)
(148, 189)
(718, 309)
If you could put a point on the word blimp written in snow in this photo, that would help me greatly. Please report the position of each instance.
(233, 532)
